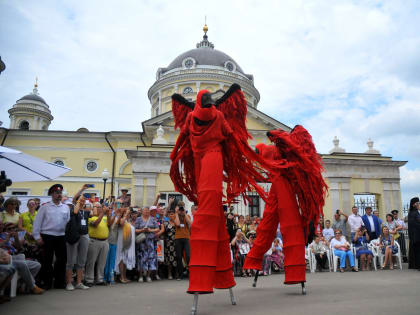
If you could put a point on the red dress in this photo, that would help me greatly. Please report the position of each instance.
(208, 153)
(281, 207)
(297, 196)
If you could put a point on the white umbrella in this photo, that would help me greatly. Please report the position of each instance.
(20, 167)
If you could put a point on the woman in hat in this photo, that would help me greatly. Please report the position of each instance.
(10, 215)
(414, 234)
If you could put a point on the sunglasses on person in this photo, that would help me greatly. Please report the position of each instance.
(337, 233)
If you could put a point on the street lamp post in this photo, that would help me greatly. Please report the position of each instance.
(105, 176)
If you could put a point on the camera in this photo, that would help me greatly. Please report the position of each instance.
(4, 182)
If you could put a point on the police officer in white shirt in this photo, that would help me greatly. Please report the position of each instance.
(49, 230)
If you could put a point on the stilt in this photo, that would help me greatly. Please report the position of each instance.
(254, 284)
(195, 305)
(303, 288)
(232, 297)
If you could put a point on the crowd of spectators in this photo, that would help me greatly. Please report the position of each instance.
(358, 236)
(80, 243)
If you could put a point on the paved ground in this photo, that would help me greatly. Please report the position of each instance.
(381, 292)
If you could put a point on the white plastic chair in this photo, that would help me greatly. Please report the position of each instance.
(334, 258)
(308, 258)
(375, 251)
(397, 254)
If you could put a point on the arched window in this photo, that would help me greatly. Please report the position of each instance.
(187, 90)
(24, 125)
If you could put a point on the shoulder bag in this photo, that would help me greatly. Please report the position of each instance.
(142, 236)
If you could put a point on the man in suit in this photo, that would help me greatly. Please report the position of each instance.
(371, 223)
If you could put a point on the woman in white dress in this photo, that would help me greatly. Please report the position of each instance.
(126, 252)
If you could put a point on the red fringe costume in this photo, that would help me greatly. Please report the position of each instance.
(206, 154)
(299, 186)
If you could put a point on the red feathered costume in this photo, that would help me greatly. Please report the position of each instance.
(299, 186)
(206, 154)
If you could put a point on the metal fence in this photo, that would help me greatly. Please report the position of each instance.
(364, 201)
(255, 207)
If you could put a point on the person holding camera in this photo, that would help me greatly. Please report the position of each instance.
(363, 253)
(126, 248)
(98, 244)
(241, 247)
(182, 237)
(340, 223)
(146, 251)
(77, 252)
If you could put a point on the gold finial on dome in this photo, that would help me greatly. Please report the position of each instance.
(205, 28)
(35, 90)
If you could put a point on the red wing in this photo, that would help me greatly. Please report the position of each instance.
(233, 105)
(305, 171)
(182, 170)
(180, 109)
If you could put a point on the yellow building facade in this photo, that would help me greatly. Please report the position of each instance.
(139, 161)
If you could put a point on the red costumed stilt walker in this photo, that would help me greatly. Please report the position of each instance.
(296, 196)
(207, 153)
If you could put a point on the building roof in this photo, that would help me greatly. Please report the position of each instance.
(204, 55)
(32, 97)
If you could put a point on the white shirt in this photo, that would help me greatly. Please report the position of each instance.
(328, 233)
(342, 242)
(51, 219)
(372, 224)
(355, 222)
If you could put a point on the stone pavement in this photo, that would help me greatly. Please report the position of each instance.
(380, 292)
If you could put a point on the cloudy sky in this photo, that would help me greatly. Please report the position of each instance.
(341, 68)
